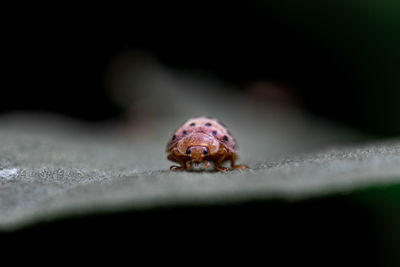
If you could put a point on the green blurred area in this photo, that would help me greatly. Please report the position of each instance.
(382, 204)
(362, 40)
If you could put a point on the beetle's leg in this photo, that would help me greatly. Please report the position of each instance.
(207, 165)
(175, 158)
(188, 164)
(176, 168)
(238, 167)
(218, 162)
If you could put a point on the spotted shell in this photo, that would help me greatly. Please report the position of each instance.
(211, 127)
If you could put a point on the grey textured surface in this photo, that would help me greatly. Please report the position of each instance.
(51, 167)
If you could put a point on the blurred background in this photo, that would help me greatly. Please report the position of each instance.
(286, 76)
(338, 60)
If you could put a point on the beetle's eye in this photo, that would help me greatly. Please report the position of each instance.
(188, 151)
(205, 151)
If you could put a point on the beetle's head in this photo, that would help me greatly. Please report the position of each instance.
(198, 146)
(197, 153)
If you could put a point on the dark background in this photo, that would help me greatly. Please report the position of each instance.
(340, 58)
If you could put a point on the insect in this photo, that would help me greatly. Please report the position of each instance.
(202, 140)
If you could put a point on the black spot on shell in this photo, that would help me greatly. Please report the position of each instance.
(174, 137)
(208, 124)
(192, 124)
(184, 132)
(225, 138)
(214, 132)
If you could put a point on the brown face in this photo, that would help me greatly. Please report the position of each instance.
(197, 153)
(197, 146)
